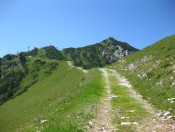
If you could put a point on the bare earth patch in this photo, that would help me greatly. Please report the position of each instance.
(103, 120)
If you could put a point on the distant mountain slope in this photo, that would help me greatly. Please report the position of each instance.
(152, 72)
(20, 71)
(99, 54)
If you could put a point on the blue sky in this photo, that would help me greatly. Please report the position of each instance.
(76, 23)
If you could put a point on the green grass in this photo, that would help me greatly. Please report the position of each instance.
(158, 68)
(67, 92)
(76, 109)
(123, 104)
(37, 70)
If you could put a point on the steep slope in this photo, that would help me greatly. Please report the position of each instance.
(152, 73)
(98, 55)
(62, 101)
(19, 72)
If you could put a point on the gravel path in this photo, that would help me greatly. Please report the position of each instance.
(103, 121)
(104, 117)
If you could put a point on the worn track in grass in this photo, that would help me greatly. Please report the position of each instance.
(104, 121)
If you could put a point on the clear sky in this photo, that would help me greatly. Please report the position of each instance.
(76, 23)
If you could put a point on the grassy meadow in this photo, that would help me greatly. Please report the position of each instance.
(65, 99)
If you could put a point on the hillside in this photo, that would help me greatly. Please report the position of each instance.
(20, 71)
(97, 55)
(152, 73)
(57, 99)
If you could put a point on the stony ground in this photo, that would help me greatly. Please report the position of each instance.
(103, 121)
(105, 115)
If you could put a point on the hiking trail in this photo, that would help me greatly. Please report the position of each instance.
(104, 120)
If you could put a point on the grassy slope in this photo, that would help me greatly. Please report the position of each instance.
(73, 113)
(151, 71)
(65, 92)
(38, 69)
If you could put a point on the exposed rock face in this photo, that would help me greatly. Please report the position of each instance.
(111, 52)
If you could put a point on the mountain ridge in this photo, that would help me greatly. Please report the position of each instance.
(105, 52)
(26, 68)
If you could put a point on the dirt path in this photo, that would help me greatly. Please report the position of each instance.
(103, 121)
(79, 68)
(153, 123)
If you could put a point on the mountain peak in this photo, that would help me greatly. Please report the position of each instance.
(97, 55)
(111, 38)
